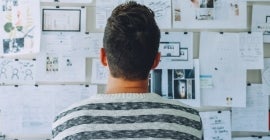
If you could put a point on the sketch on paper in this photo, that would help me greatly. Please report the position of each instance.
(17, 71)
(19, 32)
(162, 10)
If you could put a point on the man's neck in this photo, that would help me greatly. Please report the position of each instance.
(118, 85)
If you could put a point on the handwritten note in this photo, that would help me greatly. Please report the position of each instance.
(216, 125)
(255, 116)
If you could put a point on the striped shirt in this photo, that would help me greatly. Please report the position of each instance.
(128, 116)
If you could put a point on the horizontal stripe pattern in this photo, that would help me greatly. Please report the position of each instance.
(127, 106)
(128, 116)
(116, 113)
(125, 120)
(149, 133)
(116, 127)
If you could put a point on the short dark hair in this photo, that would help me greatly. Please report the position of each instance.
(131, 41)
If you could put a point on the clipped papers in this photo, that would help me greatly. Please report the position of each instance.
(261, 20)
(216, 125)
(176, 50)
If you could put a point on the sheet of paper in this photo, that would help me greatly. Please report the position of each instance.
(253, 138)
(261, 20)
(162, 10)
(176, 50)
(103, 11)
(99, 72)
(70, 1)
(17, 71)
(11, 110)
(20, 27)
(216, 125)
(67, 95)
(266, 76)
(90, 44)
(251, 50)
(30, 110)
(219, 61)
(60, 67)
(179, 84)
(56, 41)
(37, 107)
(211, 14)
(255, 116)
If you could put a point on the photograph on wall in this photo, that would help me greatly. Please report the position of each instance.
(180, 84)
(209, 14)
(20, 23)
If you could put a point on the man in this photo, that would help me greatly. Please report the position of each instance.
(127, 111)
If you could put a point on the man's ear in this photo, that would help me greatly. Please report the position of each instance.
(103, 57)
(156, 61)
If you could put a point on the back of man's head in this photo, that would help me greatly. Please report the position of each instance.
(131, 41)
